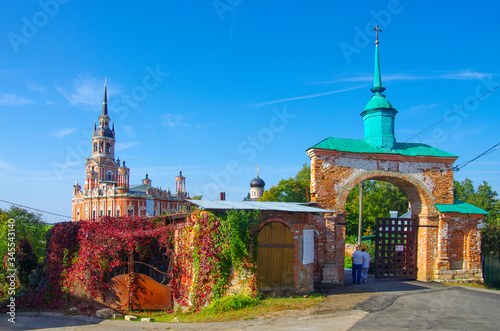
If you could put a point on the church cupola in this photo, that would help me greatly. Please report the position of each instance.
(378, 116)
(147, 181)
(257, 187)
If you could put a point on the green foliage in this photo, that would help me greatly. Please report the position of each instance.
(485, 198)
(231, 302)
(236, 227)
(351, 239)
(378, 199)
(197, 197)
(28, 225)
(490, 240)
(292, 189)
(347, 261)
(29, 244)
(26, 259)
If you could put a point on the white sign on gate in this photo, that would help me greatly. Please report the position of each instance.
(308, 247)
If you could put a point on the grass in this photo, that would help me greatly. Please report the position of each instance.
(237, 308)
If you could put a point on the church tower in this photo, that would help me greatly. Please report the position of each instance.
(180, 185)
(378, 116)
(107, 191)
(102, 167)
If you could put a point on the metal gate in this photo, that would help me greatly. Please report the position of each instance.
(396, 248)
(275, 258)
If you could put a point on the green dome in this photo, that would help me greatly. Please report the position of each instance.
(378, 101)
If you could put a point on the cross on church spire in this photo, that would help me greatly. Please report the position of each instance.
(377, 31)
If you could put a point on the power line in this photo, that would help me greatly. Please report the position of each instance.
(460, 166)
(456, 111)
(36, 209)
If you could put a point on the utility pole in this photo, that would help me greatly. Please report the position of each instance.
(360, 225)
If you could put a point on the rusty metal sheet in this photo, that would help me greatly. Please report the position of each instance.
(148, 293)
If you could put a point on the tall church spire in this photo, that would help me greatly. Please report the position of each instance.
(105, 99)
(377, 78)
(379, 114)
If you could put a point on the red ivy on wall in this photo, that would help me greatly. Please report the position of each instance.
(196, 266)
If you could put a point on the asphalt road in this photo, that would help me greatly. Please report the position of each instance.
(401, 306)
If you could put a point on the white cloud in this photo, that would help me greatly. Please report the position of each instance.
(6, 166)
(262, 104)
(129, 130)
(86, 91)
(7, 99)
(63, 132)
(123, 146)
(449, 75)
(421, 108)
(35, 87)
(173, 121)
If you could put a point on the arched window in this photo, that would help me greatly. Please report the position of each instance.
(109, 175)
(95, 147)
(108, 148)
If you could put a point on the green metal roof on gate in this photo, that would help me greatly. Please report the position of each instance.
(461, 207)
(361, 146)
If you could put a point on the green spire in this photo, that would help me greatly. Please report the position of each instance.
(378, 116)
(377, 79)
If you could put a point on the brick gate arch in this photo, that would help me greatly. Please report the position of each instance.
(426, 181)
(422, 206)
(419, 196)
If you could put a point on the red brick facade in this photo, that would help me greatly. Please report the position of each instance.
(107, 191)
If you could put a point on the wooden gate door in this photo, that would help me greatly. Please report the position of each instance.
(275, 258)
(396, 248)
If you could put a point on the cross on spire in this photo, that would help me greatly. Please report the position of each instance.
(378, 30)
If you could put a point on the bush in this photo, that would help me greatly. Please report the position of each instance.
(231, 302)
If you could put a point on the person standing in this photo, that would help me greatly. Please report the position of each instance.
(357, 264)
(366, 265)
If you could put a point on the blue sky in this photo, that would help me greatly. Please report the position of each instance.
(218, 87)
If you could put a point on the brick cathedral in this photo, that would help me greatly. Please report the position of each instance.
(107, 190)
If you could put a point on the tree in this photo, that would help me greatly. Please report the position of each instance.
(197, 197)
(378, 199)
(27, 225)
(30, 241)
(485, 198)
(291, 190)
